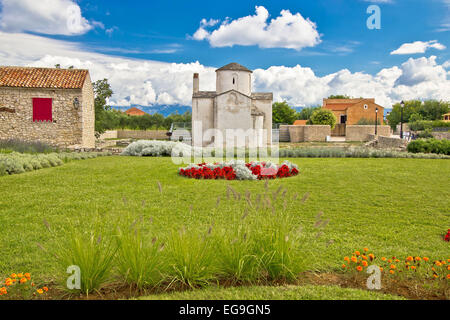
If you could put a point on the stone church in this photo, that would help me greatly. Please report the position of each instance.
(51, 105)
(232, 106)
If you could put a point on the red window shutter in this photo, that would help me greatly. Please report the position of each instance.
(42, 109)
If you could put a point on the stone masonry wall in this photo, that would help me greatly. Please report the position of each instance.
(361, 133)
(317, 133)
(88, 114)
(388, 142)
(309, 133)
(441, 135)
(66, 128)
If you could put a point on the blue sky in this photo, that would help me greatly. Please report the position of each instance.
(149, 27)
(300, 50)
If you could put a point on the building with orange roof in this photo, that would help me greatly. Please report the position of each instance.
(300, 122)
(135, 112)
(351, 111)
(52, 105)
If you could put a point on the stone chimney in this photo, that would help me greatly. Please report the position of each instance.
(196, 85)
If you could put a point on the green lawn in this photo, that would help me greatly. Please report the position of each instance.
(307, 292)
(393, 206)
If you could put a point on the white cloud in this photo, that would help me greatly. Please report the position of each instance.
(44, 16)
(146, 82)
(285, 31)
(416, 78)
(418, 47)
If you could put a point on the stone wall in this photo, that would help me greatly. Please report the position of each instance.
(317, 133)
(135, 134)
(108, 134)
(388, 142)
(441, 135)
(361, 133)
(310, 133)
(69, 127)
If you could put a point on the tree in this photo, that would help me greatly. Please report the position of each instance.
(323, 117)
(306, 113)
(414, 109)
(283, 113)
(339, 96)
(102, 91)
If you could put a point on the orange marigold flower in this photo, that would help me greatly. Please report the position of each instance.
(410, 258)
(425, 259)
(432, 268)
(443, 262)
(390, 260)
(438, 263)
(391, 271)
(413, 267)
(27, 275)
(371, 256)
(45, 289)
(396, 260)
(365, 264)
(418, 259)
(383, 258)
(359, 268)
(448, 268)
(435, 276)
(364, 257)
(357, 253)
(23, 280)
(393, 266)
(354, 259)
(14, 275)
(366, 249)
(40, 291)
(381, 269)
(347, 259)
(32, 284)
(20, 275)
(344, 266)
(448, 276)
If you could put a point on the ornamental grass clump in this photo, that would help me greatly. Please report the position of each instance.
(190, 257)
(89, 247)
(139, 259)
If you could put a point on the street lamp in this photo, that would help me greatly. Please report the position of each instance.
(376, 119)
(402, 105)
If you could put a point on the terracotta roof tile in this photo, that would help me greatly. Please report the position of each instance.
(29, 77)
(135, 112)
(300, 122)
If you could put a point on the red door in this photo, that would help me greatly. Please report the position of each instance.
(42, 109)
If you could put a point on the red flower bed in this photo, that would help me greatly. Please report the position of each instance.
(202, 171)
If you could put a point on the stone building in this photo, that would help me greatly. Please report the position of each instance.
(351, 111)
(55, 106)
(232, 106)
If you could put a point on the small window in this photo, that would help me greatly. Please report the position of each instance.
(42, 109)
(366, 106)
(234, 81)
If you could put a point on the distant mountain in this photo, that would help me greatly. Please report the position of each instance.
(165, 110)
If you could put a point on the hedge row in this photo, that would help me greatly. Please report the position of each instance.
(14, 162)
(430, 146)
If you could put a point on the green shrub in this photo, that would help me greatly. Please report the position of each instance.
(27, 147)
(323, 117)
(430, 146)
(425, 134)
(422, 125)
